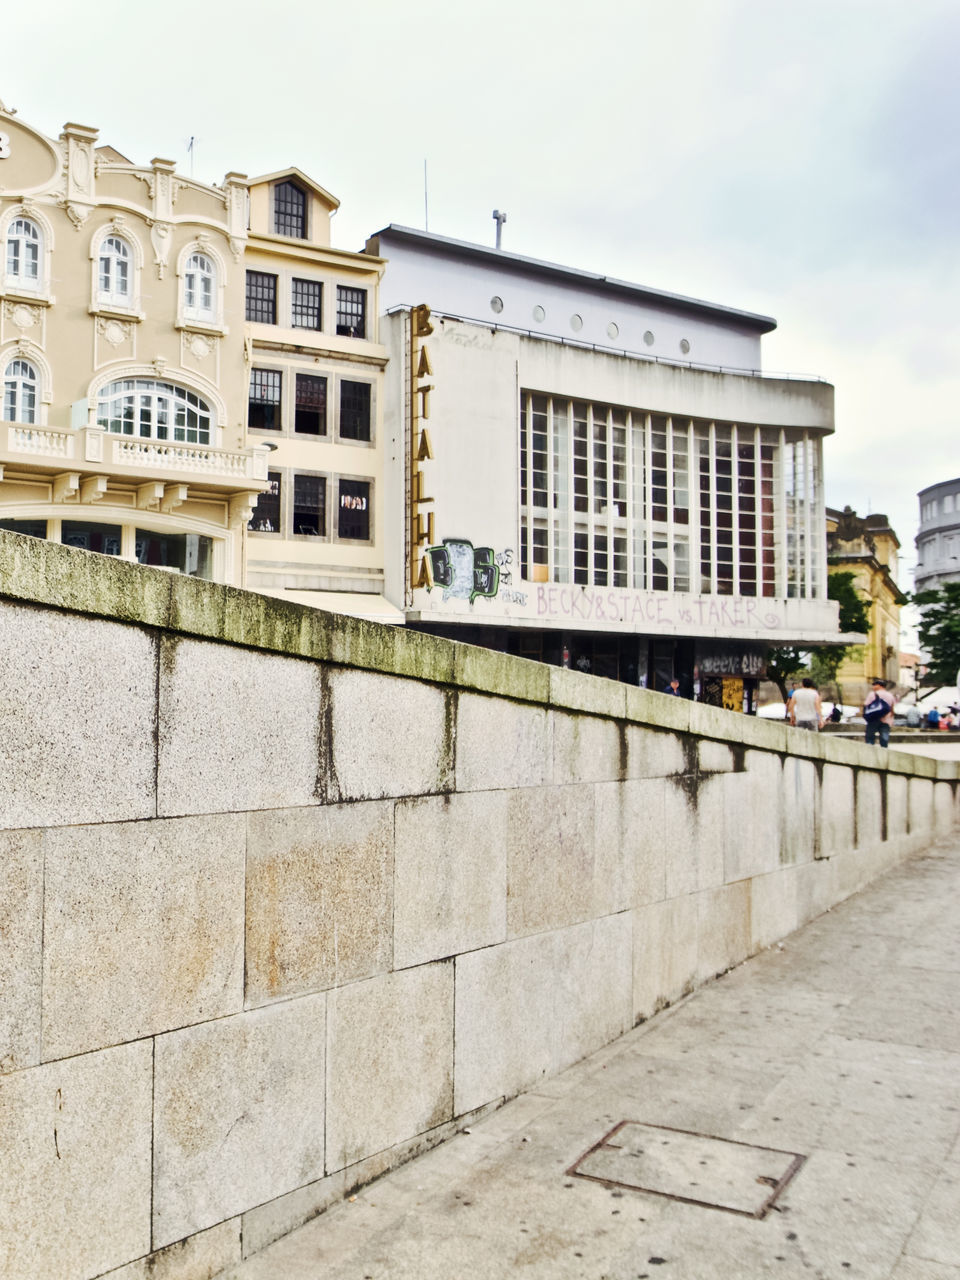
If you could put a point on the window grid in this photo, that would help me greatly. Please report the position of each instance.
(351, 312)
(289, 210)
(266, 514)
(114, 271)
(261, 297)
(310, 505)
(199, 280)
(310, 412)
(354, 410)
(153, 411)
(20, 384)
(353, 516)
(589, 474)
(306, 304)
(263, 412)
(23, 253)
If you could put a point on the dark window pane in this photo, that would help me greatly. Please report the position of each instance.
(262, 297)
(266, 514)
(32, 528)
(311, 409)
(289, 210)
(310, 505)
(351, 312)
(264, 408)
(353, 518)
(355, 410)
(104, 538)
(191, 553)
(306, 304)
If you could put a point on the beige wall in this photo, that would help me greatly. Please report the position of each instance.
(286, 897)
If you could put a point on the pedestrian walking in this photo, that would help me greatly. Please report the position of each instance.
(878, 713)
(804, 708)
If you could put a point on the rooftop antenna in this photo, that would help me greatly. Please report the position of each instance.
(499, 218)
(190, 153)
(426, 212)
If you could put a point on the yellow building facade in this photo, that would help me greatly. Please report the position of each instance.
(122, 355)
(315, 401)
(192, 375)
(868, 548)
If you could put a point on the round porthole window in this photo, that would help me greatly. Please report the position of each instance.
(648, 338)
(613, 330)
(576, 323)
(496, 305)
(685, 346)
(539, 314)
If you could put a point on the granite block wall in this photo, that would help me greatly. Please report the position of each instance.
(286, 898)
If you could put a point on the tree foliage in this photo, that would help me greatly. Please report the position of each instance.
(940, 630)
(823, 661)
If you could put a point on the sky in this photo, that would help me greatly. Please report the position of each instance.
(798, 160)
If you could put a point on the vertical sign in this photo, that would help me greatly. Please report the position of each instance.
(421, 450)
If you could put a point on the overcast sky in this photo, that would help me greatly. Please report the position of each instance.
(796, 159)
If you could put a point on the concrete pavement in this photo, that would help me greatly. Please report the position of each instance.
(841, 1045)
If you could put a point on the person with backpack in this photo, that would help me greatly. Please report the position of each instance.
(878, 713)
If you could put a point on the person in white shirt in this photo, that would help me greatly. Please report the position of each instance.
(804, 707)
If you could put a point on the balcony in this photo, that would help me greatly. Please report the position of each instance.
(26, 447)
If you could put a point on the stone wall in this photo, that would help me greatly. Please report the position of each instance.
(286, 897)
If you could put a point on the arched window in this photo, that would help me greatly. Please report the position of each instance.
(24, 245)
(114, 272)
(199, 285)
(20, 384)
(152, 410)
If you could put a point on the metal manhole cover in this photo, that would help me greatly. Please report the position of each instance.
(716, 1172)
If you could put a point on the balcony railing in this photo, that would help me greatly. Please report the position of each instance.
(95, 450)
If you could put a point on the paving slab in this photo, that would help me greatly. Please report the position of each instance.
(840, 1044)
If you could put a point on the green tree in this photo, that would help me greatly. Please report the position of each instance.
(824, 660)
(940, 630)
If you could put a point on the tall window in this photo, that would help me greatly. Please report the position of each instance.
(625, 498)
(24, 245)
(353, 518)
(351, 312)
(306, 304)
(310, 415)
(262, 297)
(153, 410)
(289, 210)
(264, 408)
(199, 288)
(20, 384)
(354, 410)
(266, 514)
(114, 272)
(310, 505)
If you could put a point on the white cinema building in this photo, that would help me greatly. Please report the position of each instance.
(597, 474)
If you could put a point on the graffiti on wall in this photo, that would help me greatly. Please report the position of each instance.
(462, 570)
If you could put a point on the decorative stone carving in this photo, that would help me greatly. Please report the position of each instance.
(116, 332)
(236, 247)
(199, 346)
(77, 213)
(161, 236)
(160, 364)
(21, 315)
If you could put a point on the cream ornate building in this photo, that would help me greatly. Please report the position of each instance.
(122, 354)
(143, 316)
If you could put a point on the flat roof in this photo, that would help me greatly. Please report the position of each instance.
(536, 266)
